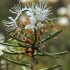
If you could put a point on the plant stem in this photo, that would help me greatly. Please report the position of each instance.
(15, 62)
(0, 63)
(32, 67)
(35, 36)
(33, 49)
(7, 66)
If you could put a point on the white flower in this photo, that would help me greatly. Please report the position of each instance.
(29, 13)
(1, 48)
(41, 14)
(39, 11)
(2, 37)
(2, 61)
(24, 68)
(63, 21)
(33, 24)
(17, 10)
(62, 11)
(39, 24)
(10, 25)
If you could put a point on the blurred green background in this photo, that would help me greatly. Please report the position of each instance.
(59, 8)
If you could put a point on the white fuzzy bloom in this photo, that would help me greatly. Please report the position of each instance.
(2, 61)
(68, 10)
(24, 68)
(62, 11)
(39, 11)
(39, 24)
(10, 25)
(2, 37)
(63, 21)
(17, 10)
(33, 24)
(41, 14)
(1, 48)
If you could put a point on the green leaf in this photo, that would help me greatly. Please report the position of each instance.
(11, 50)
(45, 54)
(19, 45)
(22, 64)
(60, 53)
(50, 36)
(50, 68)
(15, 38)
(14, 53)
(7, 44)
(51, 54)
(24, 46)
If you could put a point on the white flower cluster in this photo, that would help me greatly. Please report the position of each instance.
(1, 46)
(11, 25)
(36, 13)
(1, 49)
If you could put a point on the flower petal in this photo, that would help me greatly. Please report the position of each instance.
(11, 18)
(33, 20)
(30, 13)
(40, 17)
(39, 24)
(1, 53)
(2, 48)
(28, 26)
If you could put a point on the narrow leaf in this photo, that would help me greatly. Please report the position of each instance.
(13, 53)
(15, 38)
(60, 53)
(50, 68)
(51, 54)
(22, 64)
(50, 36)
(7, 44)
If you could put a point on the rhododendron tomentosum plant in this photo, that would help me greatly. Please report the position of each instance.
(27, 35)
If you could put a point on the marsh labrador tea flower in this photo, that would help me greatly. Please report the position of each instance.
(10, 25)
(17, 9)
(2, 47)
(40, 11)
(37, 14)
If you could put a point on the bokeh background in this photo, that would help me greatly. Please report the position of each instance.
(59, 8)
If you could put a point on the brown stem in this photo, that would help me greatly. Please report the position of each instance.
(32, 67)
(7, 66)
(32, 58)
(33, 49)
